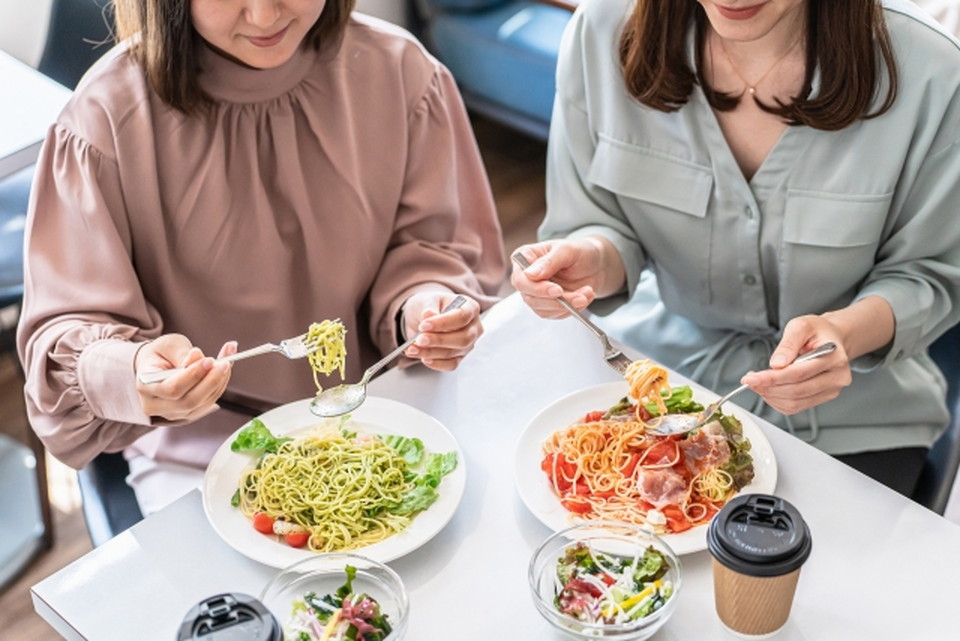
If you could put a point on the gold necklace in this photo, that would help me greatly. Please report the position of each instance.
(752, 87)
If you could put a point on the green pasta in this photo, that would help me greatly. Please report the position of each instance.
(339, 489)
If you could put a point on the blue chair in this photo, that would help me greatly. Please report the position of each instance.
(940, 470)
(502, 53)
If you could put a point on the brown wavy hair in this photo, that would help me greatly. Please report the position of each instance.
(846, 40)
(166, 45)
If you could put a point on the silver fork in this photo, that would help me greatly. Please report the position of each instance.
(613, 356)
(295, 347)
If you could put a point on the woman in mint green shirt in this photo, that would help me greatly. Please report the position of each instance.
(734, 183)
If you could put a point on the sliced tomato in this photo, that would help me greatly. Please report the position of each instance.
(631, 465)
(660, 452)
(262, 523)
(607, 579)
(576, 505)
(676, 520)
(593, 417)
(580, 488)
(565, 471)
(296, 539)
(603, 494)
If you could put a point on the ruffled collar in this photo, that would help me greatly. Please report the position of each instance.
(227, 80)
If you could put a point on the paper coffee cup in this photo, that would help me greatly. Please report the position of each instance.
(759, 543)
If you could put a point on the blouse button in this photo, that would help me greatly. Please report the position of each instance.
(749, 279)
(748, 211)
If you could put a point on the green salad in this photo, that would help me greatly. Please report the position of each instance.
(595, 587)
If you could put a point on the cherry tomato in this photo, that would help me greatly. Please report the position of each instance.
(593, 417)
(262, 523)
(296, 539)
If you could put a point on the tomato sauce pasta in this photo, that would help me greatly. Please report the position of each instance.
(608, 466)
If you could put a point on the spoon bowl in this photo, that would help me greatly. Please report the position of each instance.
(338, 400)
(680, 423)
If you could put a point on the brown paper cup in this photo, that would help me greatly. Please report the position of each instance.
(753, 606)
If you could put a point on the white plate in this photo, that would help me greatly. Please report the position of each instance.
(376, 416)
(537, 492)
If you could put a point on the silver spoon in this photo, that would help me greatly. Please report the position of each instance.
(679, 423)
(336, 401)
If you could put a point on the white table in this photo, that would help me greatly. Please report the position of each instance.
(29, 103)
(882, 567)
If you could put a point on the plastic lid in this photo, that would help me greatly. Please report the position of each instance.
(759, 535)
(230, 617)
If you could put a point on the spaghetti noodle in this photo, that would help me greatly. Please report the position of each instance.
(331, 353)
(334, 487)
(648, 382)
(608, 466)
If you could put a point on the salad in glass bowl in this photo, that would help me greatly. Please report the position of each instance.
(338, 597)
(605, 580)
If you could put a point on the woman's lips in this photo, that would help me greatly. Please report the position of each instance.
(268, 41)
(739, 13)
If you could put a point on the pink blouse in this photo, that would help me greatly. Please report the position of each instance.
(331, 187)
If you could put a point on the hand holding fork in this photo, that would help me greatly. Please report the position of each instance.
(613, 356)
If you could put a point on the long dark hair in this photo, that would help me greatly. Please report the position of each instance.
(847, 41)
(165, 43)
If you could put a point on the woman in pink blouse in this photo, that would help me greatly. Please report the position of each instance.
(236, 170)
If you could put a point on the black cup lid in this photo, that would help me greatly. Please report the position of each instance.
(230, 617)
(759, 535)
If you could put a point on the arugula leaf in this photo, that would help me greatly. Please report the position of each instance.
(256, 438)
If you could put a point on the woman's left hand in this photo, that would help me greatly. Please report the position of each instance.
(792, 387)
(444, 338)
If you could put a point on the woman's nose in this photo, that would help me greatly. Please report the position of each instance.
(262, 13)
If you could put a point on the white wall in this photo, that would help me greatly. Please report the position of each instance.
(23, 28)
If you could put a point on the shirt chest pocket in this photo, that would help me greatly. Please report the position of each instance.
(830, 243)
(664, 199)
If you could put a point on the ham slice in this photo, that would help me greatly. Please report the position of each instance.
(662, 486)
(705, 449)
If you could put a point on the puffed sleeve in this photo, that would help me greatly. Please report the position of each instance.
(84, 315)
(446, 231)
(576, 206)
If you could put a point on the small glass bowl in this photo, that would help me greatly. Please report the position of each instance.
(618, 539)
(325, 573)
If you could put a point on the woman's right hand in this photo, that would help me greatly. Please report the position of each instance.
(580, 270)
(186, 396)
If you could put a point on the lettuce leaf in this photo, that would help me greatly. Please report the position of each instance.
(255, 438)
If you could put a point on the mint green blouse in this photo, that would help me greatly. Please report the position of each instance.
(718, 264)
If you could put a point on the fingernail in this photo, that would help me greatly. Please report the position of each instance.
(578, 301)
(422, 341)
(413, 350)
(778, 360)
(426, 326)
